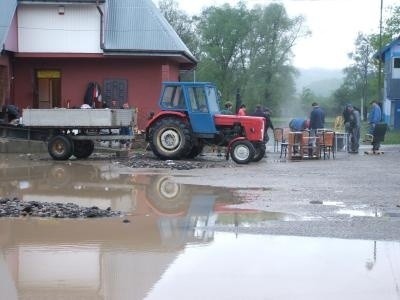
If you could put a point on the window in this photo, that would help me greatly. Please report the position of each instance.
(198, 99)
(173, 97)
(396, 68)
(396, 62)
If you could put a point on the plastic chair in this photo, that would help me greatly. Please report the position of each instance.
(278, 137)
(327, 144)
(307, 144)
(281, 138)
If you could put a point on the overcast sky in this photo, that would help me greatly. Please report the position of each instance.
(334, 25)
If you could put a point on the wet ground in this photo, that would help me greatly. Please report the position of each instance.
(205, 229)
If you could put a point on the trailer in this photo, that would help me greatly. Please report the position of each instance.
(70, 132)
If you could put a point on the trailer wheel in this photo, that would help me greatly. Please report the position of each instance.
(83, 149)
(170, 139)
(242, 152)
(60, 147)
(260, 150)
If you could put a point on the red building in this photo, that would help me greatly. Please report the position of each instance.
(52, 51)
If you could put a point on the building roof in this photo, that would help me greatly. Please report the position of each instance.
(138, 27)
(132, 27)
(381, 53)
(7, 9)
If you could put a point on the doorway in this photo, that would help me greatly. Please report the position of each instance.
(48, 86)
(3, 85)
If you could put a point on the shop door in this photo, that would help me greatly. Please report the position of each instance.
(48, 86)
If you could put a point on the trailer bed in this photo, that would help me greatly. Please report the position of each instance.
(70, 132)
(76, 118)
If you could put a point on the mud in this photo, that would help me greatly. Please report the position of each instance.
(17, 208)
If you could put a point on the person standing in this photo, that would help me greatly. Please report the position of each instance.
(374, 117)
(227, 109)
(126, 130)
(317, 121)
(353, 128)
(317, 118)
(346, 118)
(267, 121)
(242, 110)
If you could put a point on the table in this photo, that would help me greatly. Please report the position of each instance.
(301, 145)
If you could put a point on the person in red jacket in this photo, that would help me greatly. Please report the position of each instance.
(242, 110)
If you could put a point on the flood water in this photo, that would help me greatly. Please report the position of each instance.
(175, 246)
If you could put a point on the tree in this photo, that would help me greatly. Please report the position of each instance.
(361, 69)
(270, 43)
(250, 50)
(241, 49)
(362, 76)
(222, 31)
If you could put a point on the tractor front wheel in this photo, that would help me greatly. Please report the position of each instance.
(170, 139)
(242, 152)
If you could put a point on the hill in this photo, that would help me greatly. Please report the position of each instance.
(321, 81)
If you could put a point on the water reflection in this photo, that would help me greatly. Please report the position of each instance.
(130, 266)
(172, 247)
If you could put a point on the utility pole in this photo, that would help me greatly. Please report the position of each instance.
(380, 60)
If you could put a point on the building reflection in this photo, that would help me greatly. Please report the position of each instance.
(106, 258)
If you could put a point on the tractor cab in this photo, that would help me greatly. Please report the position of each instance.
(199, 100)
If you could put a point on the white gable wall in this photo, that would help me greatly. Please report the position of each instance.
(41, 29)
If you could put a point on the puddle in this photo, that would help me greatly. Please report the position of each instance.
(334, 203)
(146, 259)
(367, 212)
(173, 247)
(132, 194)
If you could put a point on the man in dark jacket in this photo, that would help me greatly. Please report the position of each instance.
(317, 118)
(353, 128)
(268, 124)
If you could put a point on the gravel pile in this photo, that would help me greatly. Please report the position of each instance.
(17, 208)
(148, 160)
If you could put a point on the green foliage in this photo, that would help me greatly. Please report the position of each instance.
(392, 137)
(362, 76)
(242, 49)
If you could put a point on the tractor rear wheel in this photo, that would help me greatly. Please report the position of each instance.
(167, 196)
(195, 151)
(242, 152)
(170, 139)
